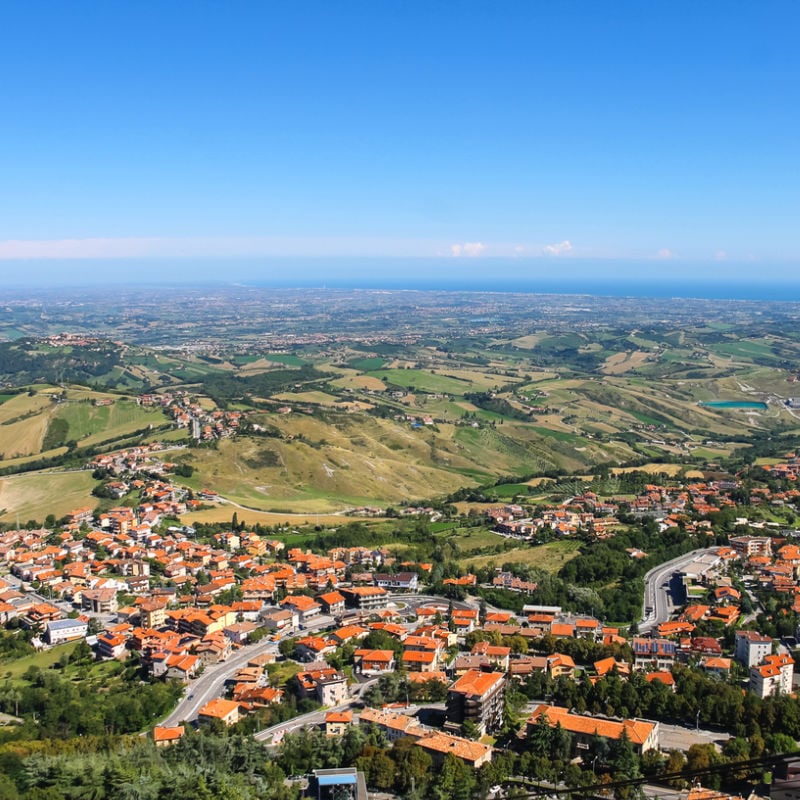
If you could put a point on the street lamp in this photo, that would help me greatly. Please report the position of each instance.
(697, 721)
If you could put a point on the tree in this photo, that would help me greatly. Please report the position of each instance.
(455, 780)
(413, 767)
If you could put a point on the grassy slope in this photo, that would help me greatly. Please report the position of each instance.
(36, 494)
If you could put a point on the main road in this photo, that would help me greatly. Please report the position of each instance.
(211, 683)
(657, 591)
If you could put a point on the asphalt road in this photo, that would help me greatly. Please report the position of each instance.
(211, 683)
(656, 596)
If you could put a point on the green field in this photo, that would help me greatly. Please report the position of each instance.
(88, 424)
(14, 670)
(419, 380)
(285, 358)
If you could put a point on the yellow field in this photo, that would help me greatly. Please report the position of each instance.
(37, 494)
(23, 438)
(23, 404)
(15, 462)
(224, 513)
(319, 398)
(528, 342)
(655, 469)
(550, 557)
(361, 382)
(621, 363)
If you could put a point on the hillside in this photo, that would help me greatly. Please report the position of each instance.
(382, 413)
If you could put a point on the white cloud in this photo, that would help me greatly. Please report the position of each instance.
(665, 254)
(558, 249)
(467, 249)
(720, 255)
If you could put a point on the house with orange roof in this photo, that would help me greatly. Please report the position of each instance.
(253, 697)
(497, 655)
(464, 620)
(166, 737)
(773, 676)
(476, 697)
(675, 628)
(226, 711)
(502, 617)
(398, 631)
(314, 648)
(111, 645)
(328, 685)
(643, 735)
(365, 598)
(374, 662)
(588, 628)
(420, 661)
(562, 630)
(395, 726)
(349, 632)
(726, 614)
(716, 665)
(695, 612)
(337, 722)
(305, 606)
(182, 668)
(439, 745)
(667, 678)
(332, 602)
(426, 677)
(608, 665)
(467, 580)
(658, 654)
(727, 594)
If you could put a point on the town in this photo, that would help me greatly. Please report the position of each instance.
(284, 641)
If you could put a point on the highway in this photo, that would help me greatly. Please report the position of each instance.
(657, 595)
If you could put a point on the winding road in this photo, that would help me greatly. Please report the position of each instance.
(657, 591)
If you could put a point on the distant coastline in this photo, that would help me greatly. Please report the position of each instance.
(773, 292)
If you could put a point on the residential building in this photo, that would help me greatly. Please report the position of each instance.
(398, 582)
(477, 697)
(303, 605)
(657, 654)
(374, 662)
(328, 685)
(773, 676)
(332, 602)
(751, 648)
(366, 598)
(440, 745)
(752, 545)
(99, 601)
(337, 722)
(394, 726)
(497, 655)
(226, 711)
(166, 737)
(59, 631)
(643, 735)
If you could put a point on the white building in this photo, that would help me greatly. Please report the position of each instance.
(751, 648)
(65, 630)
(772, 677)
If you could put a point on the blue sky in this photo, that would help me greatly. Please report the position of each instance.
(199, 139)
